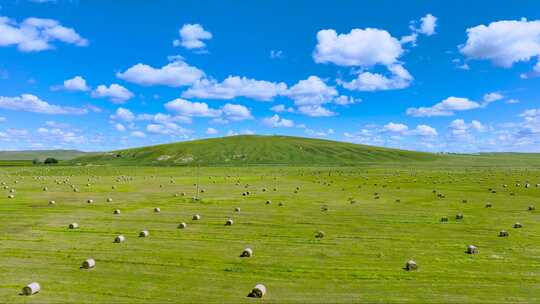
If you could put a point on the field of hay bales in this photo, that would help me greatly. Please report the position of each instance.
(373, 221)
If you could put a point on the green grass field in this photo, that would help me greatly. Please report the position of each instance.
(368, 234)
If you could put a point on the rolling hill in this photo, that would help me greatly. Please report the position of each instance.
(256, 149)
(40, 154)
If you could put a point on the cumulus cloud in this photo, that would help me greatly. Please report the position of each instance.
(192, 36)
(400, 78)
(235, 86)
(446, 107)
(459, 128)
(120, 127)
(211, 131)
(425, 26)
(425, 130)
(191, 109)
(236, 112)
(311, 91)
(281, 108)
(276, 121)
(138, 134)
(74, 84)
(175, 74)
(315, 111)
(361, 47)
(503, 42)
(167, 128)
(32, 103)
(115, 92)
(123, 114)
(396, 127)
(36, 34)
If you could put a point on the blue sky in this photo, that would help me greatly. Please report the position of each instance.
(423, 75)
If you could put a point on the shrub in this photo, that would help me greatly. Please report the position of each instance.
(50, 160)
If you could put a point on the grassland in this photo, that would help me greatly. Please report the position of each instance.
(368, 236)
(40, 154)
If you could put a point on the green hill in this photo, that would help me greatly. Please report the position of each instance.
(255, 149)
(40, 154)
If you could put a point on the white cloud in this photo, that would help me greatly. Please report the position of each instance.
(35, 34)
(168, 128)
(115, 92)
(312, 91)
(123, 114)
(276, 121)
(446, 107)
(281, 108)
(191, 109)
(120, 127)
(512, 101)
(492, 97)
(503, 42)
(32, 103)
(315, 111)
(211, 131)
(174, 74)
(276, 54)
(459, 128)
(361, 47)
(236, 112)
(76, 83)
(235, 86)
(425, 130)
(346, 100)
(138, 134)
(396, 127)
(400, 78)
(192, 36)
(427, 25)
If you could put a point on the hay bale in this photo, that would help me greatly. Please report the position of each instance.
(196, 217)
(90, 201)
(518, 225)
(489, 205)
(471, 249)
(411, 265)
(459, 216)
(45, 188)
(503, 233)
(532, 208)
(11, 196)
(258, 291)
(444, 219)
(182, 225)
(88, 264)
(248, 252)
(144, 233)
(280, 204)
(31, 289)
(52, 202)
(119, 239)
(268, 202)
(229, 222)
(73, 226)
(319, 234)
(157, 210)
(237, 209)
(109, 200)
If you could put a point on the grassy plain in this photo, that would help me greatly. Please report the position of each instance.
(360, 259)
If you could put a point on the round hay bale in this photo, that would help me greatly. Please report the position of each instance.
(258, 291)
(45, 188)
(88, 264)
(444, 219)
(113, 187)
(518, 225)
(116, 211)
(109, 200)
(503, 233)
(11, 196)
(157, 210)
(144, 233)
(183, 194)
(459, 216)
(229, 222)
(319, 234)
(268, 202)
(237, 209)
(532, 208)
(90, 201)
(52, 202)
(280, 204)
(248, 252)
(182, 225)
(489, 205)
(196, 217)
(31, 289)
(411, 265)
(471, 249)
(119, 239)
(73, 226)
